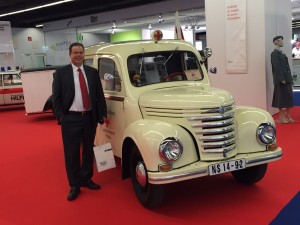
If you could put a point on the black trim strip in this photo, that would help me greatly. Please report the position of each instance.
(114, 98)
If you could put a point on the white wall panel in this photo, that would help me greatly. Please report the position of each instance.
(264, 18)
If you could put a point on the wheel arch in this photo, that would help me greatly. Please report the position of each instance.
(126, 151)
(147, 136)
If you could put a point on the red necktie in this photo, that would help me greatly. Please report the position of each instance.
(84, 91)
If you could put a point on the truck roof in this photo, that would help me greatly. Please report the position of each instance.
(135, 47)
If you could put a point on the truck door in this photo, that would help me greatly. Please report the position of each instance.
(111, 79)
(12, 89)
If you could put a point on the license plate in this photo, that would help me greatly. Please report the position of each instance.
(227, 166)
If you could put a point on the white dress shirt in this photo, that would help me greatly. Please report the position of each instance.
(77, 104)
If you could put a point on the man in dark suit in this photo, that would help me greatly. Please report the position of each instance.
(78, 104)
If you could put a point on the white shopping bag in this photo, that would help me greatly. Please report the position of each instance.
(104, 157)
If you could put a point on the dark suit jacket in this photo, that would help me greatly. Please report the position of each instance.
(63, 92)
(280, 67)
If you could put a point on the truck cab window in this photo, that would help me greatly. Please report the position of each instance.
(109, 75)
(157, 67)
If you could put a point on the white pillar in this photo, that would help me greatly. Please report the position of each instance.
(7, 56)
(278, 22)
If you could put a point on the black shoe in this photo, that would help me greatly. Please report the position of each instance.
(91, 185)
(74, 192)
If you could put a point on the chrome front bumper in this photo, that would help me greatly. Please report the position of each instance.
(200, 169)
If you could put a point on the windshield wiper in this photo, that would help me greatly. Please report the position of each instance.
(171, 55)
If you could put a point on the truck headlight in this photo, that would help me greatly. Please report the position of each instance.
(170, 149)
(266, 133)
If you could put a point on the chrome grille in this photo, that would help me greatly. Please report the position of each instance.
(214, 127)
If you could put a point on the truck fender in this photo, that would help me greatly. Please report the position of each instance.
(247, 121)
(147, 136)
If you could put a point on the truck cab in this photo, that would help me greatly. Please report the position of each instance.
(11, 91)
(168, 124)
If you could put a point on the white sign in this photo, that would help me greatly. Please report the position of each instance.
(236, 43)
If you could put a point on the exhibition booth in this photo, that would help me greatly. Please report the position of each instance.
(189, 141)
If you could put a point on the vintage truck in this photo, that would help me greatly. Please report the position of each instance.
(11, 90)
(168, 124)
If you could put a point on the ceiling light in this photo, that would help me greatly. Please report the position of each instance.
(149, 26)
(40, 25)
(34, 8)
(160, 19)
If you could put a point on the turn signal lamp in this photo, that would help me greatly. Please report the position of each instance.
(272, 147)
(165, 167)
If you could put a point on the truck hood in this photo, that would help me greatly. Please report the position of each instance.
(185, 97)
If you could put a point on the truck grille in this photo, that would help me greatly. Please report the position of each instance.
(213, 127)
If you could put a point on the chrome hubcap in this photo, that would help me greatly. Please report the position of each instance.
(141, 174)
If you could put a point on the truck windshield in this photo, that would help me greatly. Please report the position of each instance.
(167, 66)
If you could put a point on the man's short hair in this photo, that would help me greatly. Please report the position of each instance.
(75, 44)
(277, 37)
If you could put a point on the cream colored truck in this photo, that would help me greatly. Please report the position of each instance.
(168, 124)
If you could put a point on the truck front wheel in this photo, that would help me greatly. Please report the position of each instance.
(149, 195)
(250, 175)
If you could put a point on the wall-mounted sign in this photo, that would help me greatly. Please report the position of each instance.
(236, 43)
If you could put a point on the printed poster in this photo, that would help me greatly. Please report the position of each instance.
(236, 46)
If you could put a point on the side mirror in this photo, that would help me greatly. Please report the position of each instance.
(205, 53)
(213, 70)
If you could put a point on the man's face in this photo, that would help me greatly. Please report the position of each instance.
(77, 55)
(297, 44)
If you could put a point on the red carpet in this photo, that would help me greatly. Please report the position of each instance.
(34, 186)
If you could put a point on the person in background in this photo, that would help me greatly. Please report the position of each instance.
(283, 82)
(296, 50)
(78, 104)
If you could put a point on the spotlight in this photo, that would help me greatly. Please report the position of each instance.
(160, 19)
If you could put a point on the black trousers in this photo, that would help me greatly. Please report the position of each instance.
(78, 134)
